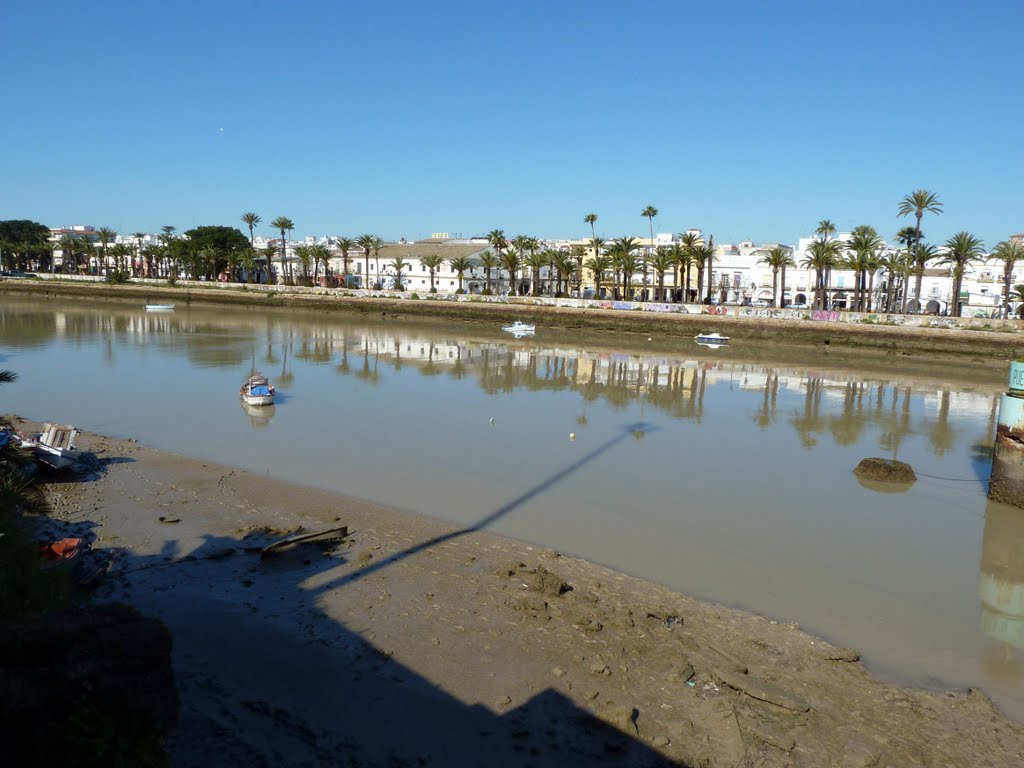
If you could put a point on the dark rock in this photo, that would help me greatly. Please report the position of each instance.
(547, 583)
(885, 471)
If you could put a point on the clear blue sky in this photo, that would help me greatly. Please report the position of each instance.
(750, 120)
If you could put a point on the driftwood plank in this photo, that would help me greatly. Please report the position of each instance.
(301, 538)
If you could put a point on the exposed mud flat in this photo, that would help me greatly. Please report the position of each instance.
(410, 642)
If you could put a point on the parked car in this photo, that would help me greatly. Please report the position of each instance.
(798, 305)
(16, 273)
(760, 303)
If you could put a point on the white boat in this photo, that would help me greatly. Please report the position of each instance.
(520, 329)
(712, 340)
(54, 446)
(257, 390)
(159, 307)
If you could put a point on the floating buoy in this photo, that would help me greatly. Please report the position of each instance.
(492, 419)
(572, 435)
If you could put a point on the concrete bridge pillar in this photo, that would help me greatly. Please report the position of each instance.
(1006, 483)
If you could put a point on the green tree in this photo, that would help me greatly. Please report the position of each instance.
(626, 263)
(598, 265)
(919, 202)
(283, 224)
(962, 249)
(398, 264)
(822, 256)
(662, 262)
(251, 220)
(778, 258)
(649, 213)
(366, 242)
(1009, 252)
(510, 263)
(862, 254)
(591, 219)
(488, 260)
(536, 262)
(433, 263)
(378, 243)
(345, 245)
(459, 266)
(106, 236)
(18, 237)
(922, 254)
(321, 253)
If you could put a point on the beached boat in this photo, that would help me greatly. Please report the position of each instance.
(257, 390)
(159, 307)
(713, 340)
(54, 446)
(520, 329)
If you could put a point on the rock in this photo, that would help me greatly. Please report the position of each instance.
(762, 690)
(534, 603)
(622, 716)
(547, 583)
(659, 742)
(558, 672)
(885, 471)
(840, 654)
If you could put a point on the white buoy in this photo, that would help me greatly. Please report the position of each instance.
(648, 338)
(572, 435)
(492, 419)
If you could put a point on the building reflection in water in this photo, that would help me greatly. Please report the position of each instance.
(1001, 589)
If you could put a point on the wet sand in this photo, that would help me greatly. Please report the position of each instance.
(410, 642)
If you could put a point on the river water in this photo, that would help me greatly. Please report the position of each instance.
(725, 474)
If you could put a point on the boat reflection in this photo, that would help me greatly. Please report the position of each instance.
(259, 415)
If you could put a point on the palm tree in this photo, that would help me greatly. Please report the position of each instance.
(459, 266)
(398, 264)
(536, 262)
(344, 244)
(681, 259)
(919, 202)
(822, 255)
(1009, 252)
(366, 243)
(598, 265)
(923, 253)
(662, 262)
(302, 253)
(778, 258)
(433, 262)
(626, 262)
(496, 237)
(138, 237)
(321, 253)
(702, 255)
(510, 263)
(961, 249)
(863, 246)
(283, 224)
(649, 212)
(251, 220)
(689, 241)
(106, 235)
(488, 260)
(378, 243)
(565, 265)
(590, 218)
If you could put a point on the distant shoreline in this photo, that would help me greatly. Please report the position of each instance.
(983, 346)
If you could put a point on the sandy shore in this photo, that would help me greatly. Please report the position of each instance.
(410, 642)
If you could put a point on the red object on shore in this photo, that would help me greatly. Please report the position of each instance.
(59, 552)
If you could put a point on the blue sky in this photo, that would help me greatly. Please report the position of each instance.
(749, 120)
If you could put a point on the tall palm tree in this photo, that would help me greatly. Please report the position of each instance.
(366, 243)
(961, 249)
(433, 262)
(919, 202)
(488, 260)
(106, 236)
(536, 262)
(344, 244)
(662, 262)
(251, 220)
(378, 243)
(565, 264)
(778, 258)
(863, 247)
(321, 253)
(305, 257)
(138, 237)
(598, 265)
(682, 259)
(577, 254)
(649, 212)
(822, 255)
(510, 263)
(922, 254)
(627, 262)
(689, 241)
(459, 266)
(498, 241)
(1009, 252)
(398, 264)
(283, 224)
(590, 218)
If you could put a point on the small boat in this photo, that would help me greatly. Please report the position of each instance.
(712, 340)
(159, 307)
(257, 390)
(59, 553)
(54, 446)
(520, 329)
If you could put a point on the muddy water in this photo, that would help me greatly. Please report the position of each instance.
(722, 473)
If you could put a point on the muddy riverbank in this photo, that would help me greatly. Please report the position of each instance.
(981, 346)
(410, 642)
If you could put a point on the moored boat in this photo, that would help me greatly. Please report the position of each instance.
(54, 446)
(713, 340)
(257, 390)
(520, 329)
(159, 307)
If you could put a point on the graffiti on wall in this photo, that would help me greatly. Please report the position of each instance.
(825, 314)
